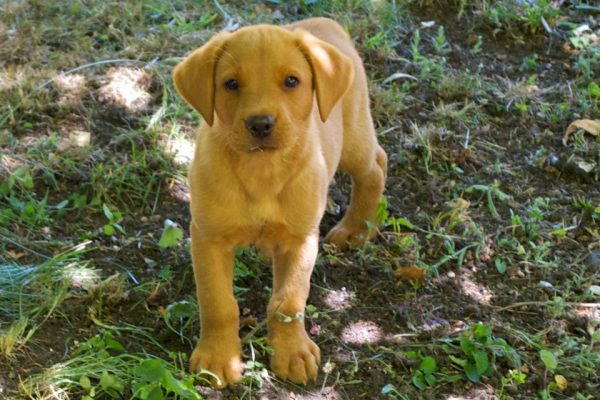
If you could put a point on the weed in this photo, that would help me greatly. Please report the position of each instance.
(424, 375)
(476, 49)
(430, 69)
(530, 64)
(513, 378)
(460, 141)
(256, 373)
(247, 266)
(463, 84)
(179, 315)
(531, 17)
(479, 352)
(440, 43)
(28, 296)
(114, 218)
(101, 367)
(491, 192)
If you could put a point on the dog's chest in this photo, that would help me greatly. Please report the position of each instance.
(263, 210)
(262, 184)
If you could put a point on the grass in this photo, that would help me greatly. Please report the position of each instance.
(29, 295)
(496, 218)
(102, 368)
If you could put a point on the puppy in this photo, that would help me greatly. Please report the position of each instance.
(283, 109)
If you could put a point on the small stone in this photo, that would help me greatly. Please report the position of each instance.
(277, 15)
(545, 285)
(594, 290)
(553, 160)
(593, 259)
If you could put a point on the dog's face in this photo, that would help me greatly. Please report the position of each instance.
(263, 89)
(260, 83)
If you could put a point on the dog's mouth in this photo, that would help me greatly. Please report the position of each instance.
(261, 148)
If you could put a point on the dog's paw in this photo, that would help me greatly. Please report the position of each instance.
(295, 357)
(219, 357)
(342, 236)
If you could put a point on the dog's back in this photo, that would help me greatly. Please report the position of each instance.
(360, 149)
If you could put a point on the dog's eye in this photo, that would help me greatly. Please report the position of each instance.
(232, 85)
(291, 82)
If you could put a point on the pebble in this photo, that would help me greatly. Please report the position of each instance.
(545, 285)
(593, 259)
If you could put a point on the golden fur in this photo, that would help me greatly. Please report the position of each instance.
(272, 191)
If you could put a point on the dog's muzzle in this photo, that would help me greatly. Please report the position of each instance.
(260, 126)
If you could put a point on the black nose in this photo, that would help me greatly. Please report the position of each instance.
(260, 126)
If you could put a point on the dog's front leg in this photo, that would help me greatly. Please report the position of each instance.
(218, 349)
(296, 357)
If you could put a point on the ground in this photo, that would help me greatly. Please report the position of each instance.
(484, 282)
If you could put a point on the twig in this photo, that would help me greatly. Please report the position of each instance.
(79, 68)
(22, 247)
(231, 23)
(544, 303)
(226, 15)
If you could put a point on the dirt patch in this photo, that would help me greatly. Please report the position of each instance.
(481, 194)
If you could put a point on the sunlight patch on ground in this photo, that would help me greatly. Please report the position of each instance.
(9, 164)
(362, 332)
(128, 88)
(12, 77)
(82, 276)
(74, 134)
(71, 87)
(326, 393)
(74, 139)
(182, 150)
(339, 299)
(476, 394)
(592, 315)
(474, 290)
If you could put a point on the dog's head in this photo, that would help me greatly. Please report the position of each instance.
(260, 83)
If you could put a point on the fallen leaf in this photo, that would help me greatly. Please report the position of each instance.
(411, 274)
(249, 321)
(586, 166)
(15, 255)
(171, 235)
(591, 126)
(561, 382)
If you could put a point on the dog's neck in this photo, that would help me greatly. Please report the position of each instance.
(266, 174)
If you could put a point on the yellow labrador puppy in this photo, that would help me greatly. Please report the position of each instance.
(283, 108)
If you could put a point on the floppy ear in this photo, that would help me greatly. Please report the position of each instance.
(194, 77)
(333, 72)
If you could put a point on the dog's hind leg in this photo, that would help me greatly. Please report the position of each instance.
(368, 173)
